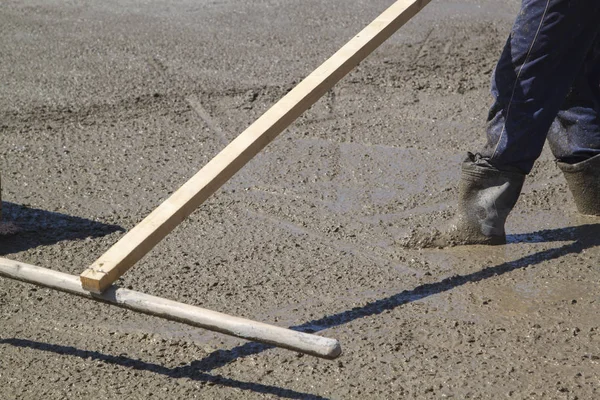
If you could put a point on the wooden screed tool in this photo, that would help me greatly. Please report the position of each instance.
(96, 282)
(171, 310)
(143, 237)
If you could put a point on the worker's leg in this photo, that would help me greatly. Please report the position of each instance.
(542, 57)
(575, 135)
(544, 52)
(541, 60)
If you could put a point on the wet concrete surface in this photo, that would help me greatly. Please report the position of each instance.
(107, 107)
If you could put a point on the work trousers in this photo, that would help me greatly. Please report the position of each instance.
(546, 85)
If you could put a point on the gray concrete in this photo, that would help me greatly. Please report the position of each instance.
(107, 107)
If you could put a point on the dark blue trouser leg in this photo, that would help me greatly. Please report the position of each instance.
(542, 58)
(575, 134)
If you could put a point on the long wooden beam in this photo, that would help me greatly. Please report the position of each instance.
(143, 237)
(195, 316)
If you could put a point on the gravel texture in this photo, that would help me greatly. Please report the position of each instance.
(107, 107)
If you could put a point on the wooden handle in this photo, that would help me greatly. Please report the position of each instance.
(195, 316)
(143, 237)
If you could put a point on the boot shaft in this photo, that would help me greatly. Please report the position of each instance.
(486, 197)
(583, 180)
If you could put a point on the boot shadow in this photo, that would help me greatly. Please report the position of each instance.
(588, 235)
(35, 227)
(580, 238)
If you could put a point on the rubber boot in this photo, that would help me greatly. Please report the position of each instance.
(583, 180)
(486, 197)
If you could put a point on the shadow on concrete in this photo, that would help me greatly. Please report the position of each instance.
(587, 235)
(581, 238)
(188, 371)
(37, 227)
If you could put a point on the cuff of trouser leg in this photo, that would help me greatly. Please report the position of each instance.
(590, 163)
(477, 165)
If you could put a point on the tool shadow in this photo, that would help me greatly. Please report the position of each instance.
(39, 227)
(581, 238)
(187, 371)
(35, 227)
